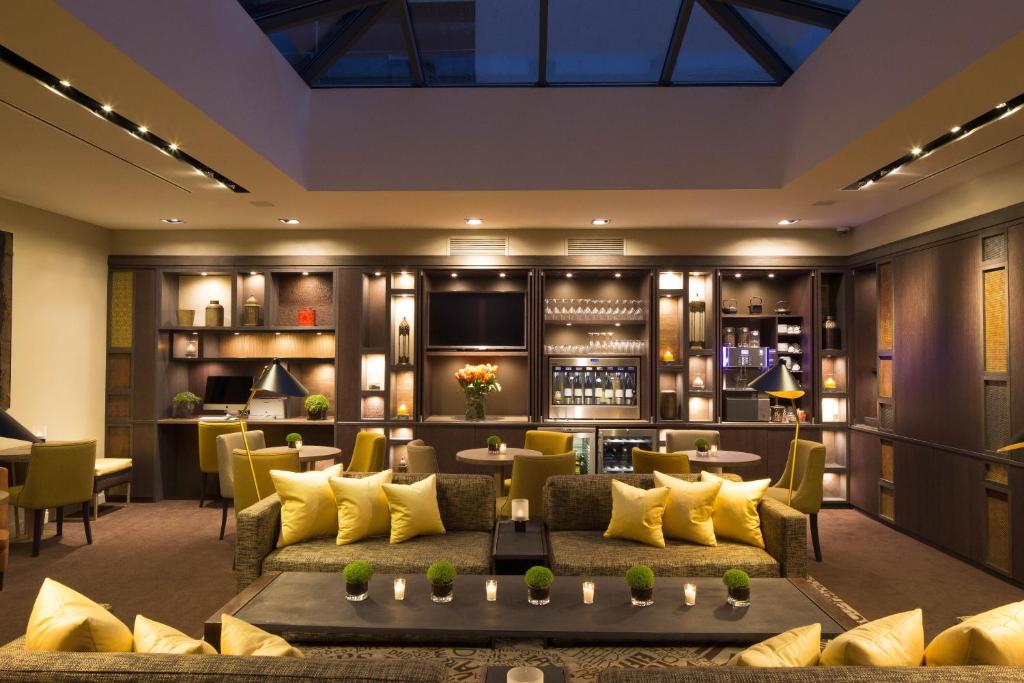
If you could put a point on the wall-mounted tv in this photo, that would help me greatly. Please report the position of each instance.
(463, 320)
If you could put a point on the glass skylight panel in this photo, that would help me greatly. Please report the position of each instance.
(609, 41)
(793, 41)
(378, 57)
(710, 55)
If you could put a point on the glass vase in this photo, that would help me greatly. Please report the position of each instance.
(475, 408)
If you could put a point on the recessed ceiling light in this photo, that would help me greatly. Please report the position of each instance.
(173, 147)
(67, 84)
(789, 221)
(172, 220)
(252, 272)
(237, 333)
(204, 274)
(568, 324)
(1001, 105)
(618, 274)
(143, 130)
(107, 108)
(771, 275)
(738, 275)
(954, 129)
(474, 221)
(305, 273)
(454, 275)
(601, 221)
(916, 151)
(618, 324)
(568, 275)
(289, 221)
(501, 274)
(377, 273)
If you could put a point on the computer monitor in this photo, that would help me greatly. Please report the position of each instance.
(226, 393)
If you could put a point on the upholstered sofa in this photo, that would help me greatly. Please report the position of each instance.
(818, 674)
(466, 502)
(17, 664)
(578, 509)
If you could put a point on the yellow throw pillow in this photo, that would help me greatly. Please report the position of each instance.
(152, 637)
(689, 509)
(995, 637)
(735, 516)
(64, 620)
(637, 514)
(243, 639)
(895, 640)
(800, 646)
(414, 510)
(362, 507)
(307, 504)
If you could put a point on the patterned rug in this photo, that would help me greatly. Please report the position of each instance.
(469, 664)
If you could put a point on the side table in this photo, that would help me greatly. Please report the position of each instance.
(514, 552)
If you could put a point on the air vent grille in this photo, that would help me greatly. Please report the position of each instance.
(477, 245)
(993, 247)
(595, 246)
(997, 414)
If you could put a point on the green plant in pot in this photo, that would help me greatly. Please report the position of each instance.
(640, 579)
(441, 576)
(357, 580)
(184, 404)
(316, 406)
(294, 440)
(493, 443)
(703, 446)
(538, 582)
(737, 582)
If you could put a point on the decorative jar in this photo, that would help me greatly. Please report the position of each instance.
(214, 314)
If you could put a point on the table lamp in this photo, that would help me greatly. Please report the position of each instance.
(12, 429)
(780, 383)
(273, 379)
(1016, 443)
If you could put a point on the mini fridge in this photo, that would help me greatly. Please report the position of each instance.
(615, 447)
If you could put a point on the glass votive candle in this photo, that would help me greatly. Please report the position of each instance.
(503, 448)
(588, 592)
(524, 674)
(690, 594)
(492, 590)
(399, 589)
(713, 450)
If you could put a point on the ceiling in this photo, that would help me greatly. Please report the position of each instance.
(372, 43)
(204, 76)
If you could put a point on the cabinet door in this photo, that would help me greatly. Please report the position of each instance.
(865, 470)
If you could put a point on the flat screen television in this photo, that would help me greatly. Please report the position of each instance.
(226, 392)
(462, 320)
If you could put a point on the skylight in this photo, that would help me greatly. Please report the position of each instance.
(368, 43)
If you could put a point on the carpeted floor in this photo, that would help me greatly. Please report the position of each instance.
(164, 560)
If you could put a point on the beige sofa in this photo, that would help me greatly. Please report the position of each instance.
(818, 674)
(578, 509)
(466, 502)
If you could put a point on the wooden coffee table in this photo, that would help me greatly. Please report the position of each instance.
(313, 603)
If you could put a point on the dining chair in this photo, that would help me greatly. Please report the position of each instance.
(226, 446)
(208, 433)
(686, 439)
(808, 474)
(420, 458)
(5, 531)
(60, 473)
(545, 442)
(529, 474)
(283, 458)
(646, 462)
(368, 453)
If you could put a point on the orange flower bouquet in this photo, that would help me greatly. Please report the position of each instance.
(477, 381)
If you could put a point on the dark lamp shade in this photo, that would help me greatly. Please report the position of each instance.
(276, 380)
(12, 429)
(778, 382)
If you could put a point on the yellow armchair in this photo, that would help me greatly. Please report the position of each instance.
(686, 439)
(646, 462)
(283, 458)
(529, 474)
(208, 433)
(548, 443)
(420, 458)
(368, 453)
(808, 474)
(60, 473)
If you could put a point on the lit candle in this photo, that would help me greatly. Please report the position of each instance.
(502, 447)
(492, 590)
(588, 592)
(403, 410)
(690, 594)
(400, 589)
(298, 444)
(668, 356)
(520, 509)
(713, 450)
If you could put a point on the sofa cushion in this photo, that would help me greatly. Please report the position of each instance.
(241, 639)
(637, 514)
(466, 501)
(469, 551)
(590, 553)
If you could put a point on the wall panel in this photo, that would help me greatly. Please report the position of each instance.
(1016, 317)
(865, 469)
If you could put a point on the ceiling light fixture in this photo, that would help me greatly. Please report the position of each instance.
(204, 274)
(474, 221)
(601, 221)
(789, 221)
(738, 275)
(175, 221)
(771, 275)
(252, 272)
(999, 111)
(454, 275)
(569, 275)
(377, 273)
(289, 221)
(305, 273)
(172, 147)
(501, 275)
(618, 275)
(94, 106)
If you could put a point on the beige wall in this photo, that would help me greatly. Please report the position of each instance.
(58, 353)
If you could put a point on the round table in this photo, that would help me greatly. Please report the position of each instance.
(485, 458)
(716, 461)
(308, 455)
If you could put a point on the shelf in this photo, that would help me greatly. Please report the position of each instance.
(790, 353)
(403, 292)
(674, 366)
(249, 328)
(371, 392)
(497, 353)
(833, 393)
(751, 316)
(601, 322)
(671, 292)
(260, 359)
(326, 422)
(595, 354)
(699, 392)
(700, 352)
(403, 367)
(790, 334)
(372, 350)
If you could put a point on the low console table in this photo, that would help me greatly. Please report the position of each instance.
(313, 603)
(513, 552)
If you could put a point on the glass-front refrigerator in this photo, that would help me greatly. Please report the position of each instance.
(594, 388)
(615, 447)
(584, 442)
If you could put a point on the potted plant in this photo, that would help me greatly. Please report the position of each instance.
(493, 444)
(316, 406)
(703, 446)
(538, 582)
(294, 440)
(737, 582)
(640, 578)
(476, 382)
(184, 404)
(357, 580)
(441, 576)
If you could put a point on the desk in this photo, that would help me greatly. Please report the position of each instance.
(309, 455)
(715, 462)
(485, 458)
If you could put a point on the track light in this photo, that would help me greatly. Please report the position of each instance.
(175, 221)
(289, 221)
(601, 221)
(474, 221)
(789, 221)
